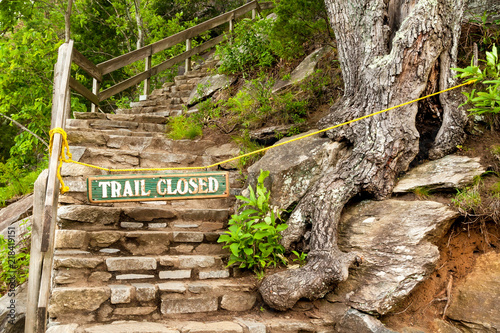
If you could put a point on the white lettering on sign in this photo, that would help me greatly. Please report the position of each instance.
(143, 189)
(164, 187)
(104, 186)
(127, 191)
(116, 188)
(180, 183)
(213, 185)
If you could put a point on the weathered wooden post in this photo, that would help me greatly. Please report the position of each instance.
(36, 257)
(188, 60)
(60, 110)
(147, 82)
(96, 85)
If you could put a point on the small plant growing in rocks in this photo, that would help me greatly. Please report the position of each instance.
(254, 233)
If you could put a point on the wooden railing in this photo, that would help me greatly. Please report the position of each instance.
(146, 53)
(47, 185)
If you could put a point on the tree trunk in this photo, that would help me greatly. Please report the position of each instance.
(387, 50)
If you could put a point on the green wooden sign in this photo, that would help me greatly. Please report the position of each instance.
(158, 187)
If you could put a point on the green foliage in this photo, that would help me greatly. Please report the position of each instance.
(421, 192)
(488, 99)
(254, 233)
(183, 127)
(14, 261)
(489, 32)
(298, 21)
(300, 257)
(468, 200)
(246, 146)
(15, 181)
(248, 47)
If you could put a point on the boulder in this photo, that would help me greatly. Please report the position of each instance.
(16, 211)
(304, 69)
(355, 321)
(208, 86)
(294, 167)
(475, 302)
(449, 172)
(394, 238)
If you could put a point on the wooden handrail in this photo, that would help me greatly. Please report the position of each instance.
(98, 71)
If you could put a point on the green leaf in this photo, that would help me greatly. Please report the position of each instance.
(234, 249)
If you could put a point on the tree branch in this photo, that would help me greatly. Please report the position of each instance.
(24, 129)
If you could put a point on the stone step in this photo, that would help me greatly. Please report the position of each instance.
(98, 270)
(137, 242)
(112, 216)
(164, 111)
(121, 158)
(150, 142)
(139, 298)
(241, 323)
(103, 124)
(140, 118)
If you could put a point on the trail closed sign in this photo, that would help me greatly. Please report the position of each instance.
(158, 187)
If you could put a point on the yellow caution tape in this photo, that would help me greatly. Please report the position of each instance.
(68, 159)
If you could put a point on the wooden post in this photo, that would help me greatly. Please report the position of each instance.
(96, 85)
(60, 110)
(254, 14)
(188, 60)
(147, 82)
(36, 257)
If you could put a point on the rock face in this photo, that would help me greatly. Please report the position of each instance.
(208, 86)
(394, 239)
(294, 167)
(449, 172)
(304, 70)
(476, 302)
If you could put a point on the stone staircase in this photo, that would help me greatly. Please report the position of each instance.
(155, 262)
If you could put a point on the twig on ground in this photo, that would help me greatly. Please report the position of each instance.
(448, 295)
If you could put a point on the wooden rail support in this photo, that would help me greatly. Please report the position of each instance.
(96, 86)
(188, 60)
(36, 257)
(147, 82)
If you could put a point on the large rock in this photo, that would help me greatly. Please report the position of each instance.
(449, 172)
(355, 321)
(394, 238)
(16, 211)
(89, 214)
(67, 300)
(208, 86)
(304, 69)
(294, 167)
(13, 310)
(476, 301)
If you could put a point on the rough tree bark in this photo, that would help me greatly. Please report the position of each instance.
(387, 50)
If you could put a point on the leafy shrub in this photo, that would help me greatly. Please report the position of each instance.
(182, 127)
(487, 100)
(297, 22)
(15, 180)
(248, 47)
(254, 233)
